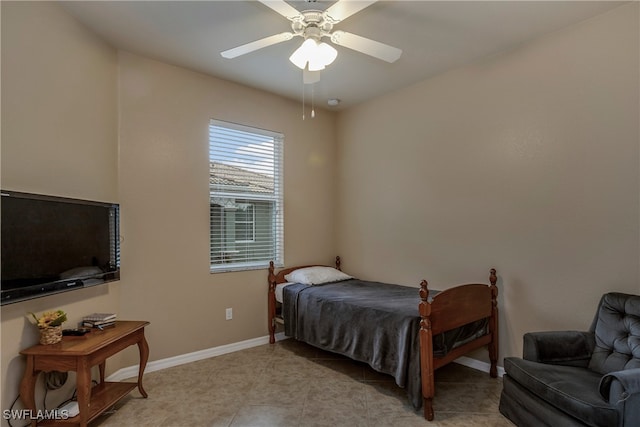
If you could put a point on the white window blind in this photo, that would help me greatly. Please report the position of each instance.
(245, 197)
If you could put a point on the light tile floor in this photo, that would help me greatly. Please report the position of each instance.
(293, 384)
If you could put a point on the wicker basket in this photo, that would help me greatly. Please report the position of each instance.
(50, 335)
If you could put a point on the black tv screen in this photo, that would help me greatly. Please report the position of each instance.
(53, 244)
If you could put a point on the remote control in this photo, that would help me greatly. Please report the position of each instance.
(75, 332)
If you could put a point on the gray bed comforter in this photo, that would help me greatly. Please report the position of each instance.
(371, 322)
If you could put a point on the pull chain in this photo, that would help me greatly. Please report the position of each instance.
(313, 110)
(303, 90)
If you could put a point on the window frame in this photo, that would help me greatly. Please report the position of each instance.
(224, 256)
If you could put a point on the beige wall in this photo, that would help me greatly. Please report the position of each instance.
(526, 161)
(59, 136)
(164, 118)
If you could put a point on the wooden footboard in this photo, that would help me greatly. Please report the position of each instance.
(448, 310)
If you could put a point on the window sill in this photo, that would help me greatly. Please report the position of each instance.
(225, 268)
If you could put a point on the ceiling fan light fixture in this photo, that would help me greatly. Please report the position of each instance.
(327, 52)
(317, 55)
(301, 55)
(316, 63)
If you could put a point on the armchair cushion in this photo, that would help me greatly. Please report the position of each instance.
(570, 389)
(571, 348)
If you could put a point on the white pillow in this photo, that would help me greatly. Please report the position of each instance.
(316, 275)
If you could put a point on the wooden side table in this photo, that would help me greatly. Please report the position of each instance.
(80, 354)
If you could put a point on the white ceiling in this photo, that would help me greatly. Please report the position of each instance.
(435, 36)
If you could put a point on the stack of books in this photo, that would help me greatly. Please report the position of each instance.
(99, 320)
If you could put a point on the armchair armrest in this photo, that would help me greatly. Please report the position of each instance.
(618, 386)
(571, 348)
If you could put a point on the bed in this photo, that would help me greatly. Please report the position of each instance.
(402, 331)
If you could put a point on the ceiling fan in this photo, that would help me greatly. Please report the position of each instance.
(313, 25)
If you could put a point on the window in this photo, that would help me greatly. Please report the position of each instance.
(245, 197)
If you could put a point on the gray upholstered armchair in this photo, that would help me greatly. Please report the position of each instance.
(575, 378)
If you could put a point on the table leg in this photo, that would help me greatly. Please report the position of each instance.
(83, 385)
(101, 367)
(143, 347)
(27, 388)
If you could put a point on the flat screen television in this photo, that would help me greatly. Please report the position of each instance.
(54, 244)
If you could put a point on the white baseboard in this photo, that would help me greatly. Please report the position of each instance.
(157, 365)
(476, 364)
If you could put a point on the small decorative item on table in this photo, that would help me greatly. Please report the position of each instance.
(50, 325)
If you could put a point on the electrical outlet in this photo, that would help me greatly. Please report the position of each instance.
(229, 313)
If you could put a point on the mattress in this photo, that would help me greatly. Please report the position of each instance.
(279, 290)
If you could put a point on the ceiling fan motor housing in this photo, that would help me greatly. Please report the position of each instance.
(311, 23)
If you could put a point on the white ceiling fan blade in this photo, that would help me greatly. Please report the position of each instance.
(283, 8)
(367, 46)
(255, 45)
(343, 9)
